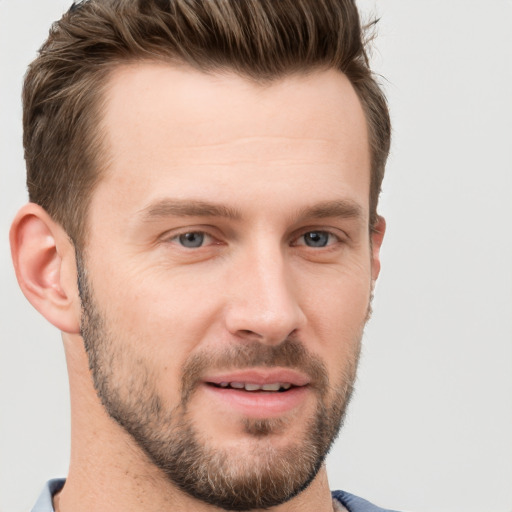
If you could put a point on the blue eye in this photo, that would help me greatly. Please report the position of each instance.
(316, 238)
(191, 240)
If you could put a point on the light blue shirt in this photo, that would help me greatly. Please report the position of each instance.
(44, 503)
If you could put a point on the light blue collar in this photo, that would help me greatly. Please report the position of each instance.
(44, 503)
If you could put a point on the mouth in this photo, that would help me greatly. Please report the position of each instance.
(274, 387)
(259, 379)
(258, 393)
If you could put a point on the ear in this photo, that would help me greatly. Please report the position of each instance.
(377, 236)
(44, 261)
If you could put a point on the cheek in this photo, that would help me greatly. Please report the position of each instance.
(156, 322)
(337, 312)
(159, 305)
(337, 300)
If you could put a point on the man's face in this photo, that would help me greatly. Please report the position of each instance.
(227, 274)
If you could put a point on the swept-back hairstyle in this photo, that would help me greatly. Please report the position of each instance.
(261, 40)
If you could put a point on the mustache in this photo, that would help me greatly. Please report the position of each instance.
(288, 354)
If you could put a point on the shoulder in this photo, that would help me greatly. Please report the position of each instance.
(355, 504)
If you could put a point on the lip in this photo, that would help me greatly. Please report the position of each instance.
(260, 376)
(257, 404)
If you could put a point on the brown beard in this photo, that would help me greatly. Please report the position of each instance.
(269, 476)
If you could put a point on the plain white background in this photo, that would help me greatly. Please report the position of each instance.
(430, 428)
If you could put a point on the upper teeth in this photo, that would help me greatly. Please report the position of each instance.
(276, 386)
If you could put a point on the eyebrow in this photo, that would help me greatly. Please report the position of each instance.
(187, 208)
(344, 208)
(167, 207)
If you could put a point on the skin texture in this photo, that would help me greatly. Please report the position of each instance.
(271, 163)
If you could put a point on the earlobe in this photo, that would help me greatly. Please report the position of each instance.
(44, 259)
(377, 237)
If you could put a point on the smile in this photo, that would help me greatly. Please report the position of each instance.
(258, 392)
(247, 386)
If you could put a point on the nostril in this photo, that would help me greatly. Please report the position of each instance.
(247, 332)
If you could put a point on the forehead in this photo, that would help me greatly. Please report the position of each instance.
(174, 130)
(320, 104)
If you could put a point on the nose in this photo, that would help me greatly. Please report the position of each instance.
(263, 301)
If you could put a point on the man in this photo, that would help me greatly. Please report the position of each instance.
(203, 229)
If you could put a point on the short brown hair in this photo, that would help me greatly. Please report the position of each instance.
(258, 39)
